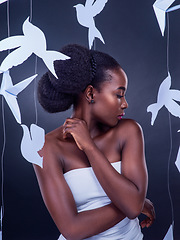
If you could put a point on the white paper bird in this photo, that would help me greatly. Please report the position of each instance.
(2, 1)
(33, 41)
(10, 92)
(177, 162)
(166, 97)
(85, 17)
(160, 9)
(169, 234)
(32, 142)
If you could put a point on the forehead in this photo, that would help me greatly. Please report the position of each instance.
(117, 79)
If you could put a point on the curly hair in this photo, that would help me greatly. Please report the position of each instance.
(85, 67)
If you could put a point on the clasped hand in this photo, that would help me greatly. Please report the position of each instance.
(78, 129)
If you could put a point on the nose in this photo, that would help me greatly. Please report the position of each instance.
(124, 104)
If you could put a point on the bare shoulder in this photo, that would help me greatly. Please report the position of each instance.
(128, 128)
(52, 150)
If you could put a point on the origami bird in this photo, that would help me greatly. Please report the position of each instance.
(177, 162)
(32, 142)
(33, 41)
(166, 97)
(160, 9)
(169, 234)
(2, 1)
(10, 92)
(85, 17)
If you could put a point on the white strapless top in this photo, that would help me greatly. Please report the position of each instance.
(86, 189)
(89, 194)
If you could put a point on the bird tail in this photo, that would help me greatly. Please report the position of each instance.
(49, 58)
(154, 109)
(94, 32)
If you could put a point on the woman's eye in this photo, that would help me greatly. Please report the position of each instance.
(119, 96)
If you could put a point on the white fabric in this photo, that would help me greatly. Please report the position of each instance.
(89, 194)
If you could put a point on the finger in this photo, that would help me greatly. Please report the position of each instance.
(67, 131)
(146, 223)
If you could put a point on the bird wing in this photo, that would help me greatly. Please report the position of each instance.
(98, 6)
(11, 42)
(164, 88)
(173, 108)
(2, 1)
(6, 82)
(15, 58)
(154, 109)
(38, 137)
(177, 162)
(27, 149)
(89, 3)
(17, 88)
(175, 94)
(10, 99)
(160, 7)
(13, 105)
(50, 56)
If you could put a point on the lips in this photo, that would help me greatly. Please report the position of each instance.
(120, 116)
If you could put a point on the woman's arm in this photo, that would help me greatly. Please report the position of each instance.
(61, 205)
(128, 189)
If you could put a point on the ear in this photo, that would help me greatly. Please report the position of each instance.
(89, 93)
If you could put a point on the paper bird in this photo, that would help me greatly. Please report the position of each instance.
(85, 17)
(31, 143)
(33, 41)
(160, 9)
(10, 92)
(177, 162)
(169, 234)
(2, 1)
(166, 98)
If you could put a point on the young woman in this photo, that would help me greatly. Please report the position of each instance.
(94, 176)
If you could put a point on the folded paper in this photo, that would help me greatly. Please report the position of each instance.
(169, 234)
(2, 1)
(177, 162)
(160, 9)
(33, 41)
(166, 97)
(85, 16)
(10, 92)
(32, 142)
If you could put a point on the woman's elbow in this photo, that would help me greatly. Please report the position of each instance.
(72, 233)
(134, 212)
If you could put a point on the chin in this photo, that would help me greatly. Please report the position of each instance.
(112, 124)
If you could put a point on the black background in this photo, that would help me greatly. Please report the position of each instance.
(133, 37)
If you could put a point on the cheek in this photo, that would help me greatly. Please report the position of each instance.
(107, 106)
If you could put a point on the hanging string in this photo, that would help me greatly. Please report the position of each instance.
(167, 50)
(4, 130)
(31, 7)
(35, 72)
(35, 95)
(2, 161)
(170, 134)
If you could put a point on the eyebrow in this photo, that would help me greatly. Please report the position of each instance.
(122, 88)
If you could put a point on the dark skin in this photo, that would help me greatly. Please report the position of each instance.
(96, 137)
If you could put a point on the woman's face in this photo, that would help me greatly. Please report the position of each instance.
(110, 102)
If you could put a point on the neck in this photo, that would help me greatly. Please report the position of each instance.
(84, 112)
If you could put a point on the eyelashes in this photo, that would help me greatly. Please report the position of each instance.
(119, 96)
